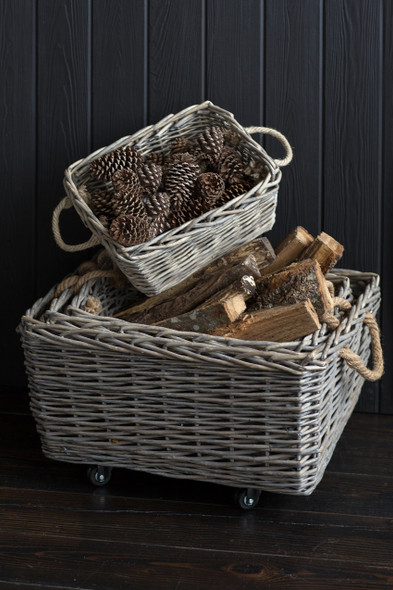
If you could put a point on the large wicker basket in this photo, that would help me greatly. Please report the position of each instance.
(257, 414)
(169, 258)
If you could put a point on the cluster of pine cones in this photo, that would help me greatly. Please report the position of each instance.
(146, 196)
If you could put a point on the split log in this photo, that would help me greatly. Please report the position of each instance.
(283, 323)
(326, 250)
(184, 302)
(260, 248)
(297, 282)
(208, 317)
(220, 310)
(289, 250)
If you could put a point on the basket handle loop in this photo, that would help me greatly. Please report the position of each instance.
(66, 203)
(281, 138)
(93, 269)
(355, 362)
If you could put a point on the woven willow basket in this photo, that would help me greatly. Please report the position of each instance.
(184, 405)
(169, 258)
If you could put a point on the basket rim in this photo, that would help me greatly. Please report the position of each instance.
(298, 357)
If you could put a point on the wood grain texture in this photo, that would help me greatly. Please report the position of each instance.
(386, 401)
(64, 126)
(125, 566)
(234, 57)
(175, 56)
(352, 138)
(17, 178)
(292, 82)
(118, 69)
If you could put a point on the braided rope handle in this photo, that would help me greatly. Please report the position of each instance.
(66, 203)
(352, 359)
(281, 138)
(91, 270)
(355, 362)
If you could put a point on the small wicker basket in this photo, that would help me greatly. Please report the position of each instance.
(169, 258)
(257, 414)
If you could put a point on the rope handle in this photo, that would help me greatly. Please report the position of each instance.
(91, 270)
(281, 138)
(352, 359)
(66, 203)
(355, 362)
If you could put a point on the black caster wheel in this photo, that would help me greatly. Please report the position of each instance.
(247, 498)
(99, 475)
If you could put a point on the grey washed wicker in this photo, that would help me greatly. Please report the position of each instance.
(184, 405)
(164, 261)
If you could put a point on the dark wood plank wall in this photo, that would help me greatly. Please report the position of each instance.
(78, 74)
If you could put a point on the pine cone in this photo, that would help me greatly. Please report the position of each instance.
(211, 142)
(210, 187)
(158, 226)
(150, 176)
(180, 144)
(233, 191)
(176, 218)
(159, 204)
(182, 158)
(155, 158)
(126, 179)
(191, 208)
(101, 204)
(129, 230)
(180, 180)
(127, 201)
(205, 162)
(105, 166)
(256, 170)
(231, 166)
(231, 138)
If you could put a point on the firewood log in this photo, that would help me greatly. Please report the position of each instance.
(326, 250)
(297, 282)
(186, 301)
(283, 323)
(289, 250)
(260, 248)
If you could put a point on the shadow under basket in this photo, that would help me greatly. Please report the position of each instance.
(258, 414)
(167, 259)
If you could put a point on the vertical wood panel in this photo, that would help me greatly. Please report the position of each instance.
(234, 57)
(17, 178)
(293, 106)
(63, 125)
(387, 242)
(118, 69)
(175, 56)
(352, 138)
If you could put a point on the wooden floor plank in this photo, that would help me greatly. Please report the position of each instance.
(90, 564)
(341, 538)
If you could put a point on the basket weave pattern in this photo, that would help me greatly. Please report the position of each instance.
(164, 261)
(263, 415)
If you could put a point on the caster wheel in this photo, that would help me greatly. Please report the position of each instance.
(99, 475)
(247, 498)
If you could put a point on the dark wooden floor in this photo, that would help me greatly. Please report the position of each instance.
(142, 532)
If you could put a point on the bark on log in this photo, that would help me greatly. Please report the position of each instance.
(283, 323)
(189, 300)
(260, 248)
(209, 317)
(297, 282)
